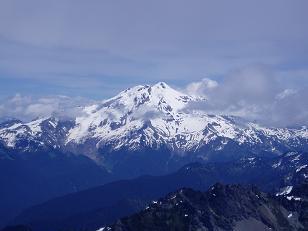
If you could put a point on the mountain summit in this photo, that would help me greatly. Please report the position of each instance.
(139, 113)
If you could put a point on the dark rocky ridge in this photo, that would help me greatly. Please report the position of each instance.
(230, 207)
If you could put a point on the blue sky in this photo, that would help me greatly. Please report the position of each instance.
(96, 48)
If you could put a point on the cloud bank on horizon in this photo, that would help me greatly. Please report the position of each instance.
(254, 53)
(254, 93)
(27, 108)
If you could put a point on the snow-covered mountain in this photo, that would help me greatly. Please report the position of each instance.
(149, 117)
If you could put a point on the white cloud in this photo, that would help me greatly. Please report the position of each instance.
(257, 93)
(27, 108)
(286, 93)
(200, 88)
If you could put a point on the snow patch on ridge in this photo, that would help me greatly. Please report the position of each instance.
(285, 191)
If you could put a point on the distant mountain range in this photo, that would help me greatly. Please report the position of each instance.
(142, 130)
(42, 176)
(103, 205)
